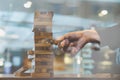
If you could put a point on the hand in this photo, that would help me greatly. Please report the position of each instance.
(74, 41)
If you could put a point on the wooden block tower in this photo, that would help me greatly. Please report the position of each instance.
(43, 53)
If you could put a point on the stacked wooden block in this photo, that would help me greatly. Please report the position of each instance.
(43, 53)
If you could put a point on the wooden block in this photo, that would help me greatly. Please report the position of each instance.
(43, 20)
(43, 70)
(30, 52)
(43, 23)
(38, 66)
(43, 66)
(42, 75)
(43, 14)
(43, 44)
(21, 72)
(43, 52)
(39, 19)
(44, 49)
(48, 68)
(44, 55)
(39, 28)
(44, 60)
(42, 37)
(47, 40)
(38, 33)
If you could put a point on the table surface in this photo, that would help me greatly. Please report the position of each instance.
(64, 77)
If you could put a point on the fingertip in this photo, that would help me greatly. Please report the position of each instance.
(60, 38)
(62, 44)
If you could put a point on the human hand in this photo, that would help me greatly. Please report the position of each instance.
(74, 41)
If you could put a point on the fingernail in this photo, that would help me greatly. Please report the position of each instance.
(62, 44)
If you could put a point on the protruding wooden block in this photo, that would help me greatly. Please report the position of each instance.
(30, 52)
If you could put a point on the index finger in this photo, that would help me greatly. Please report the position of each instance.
(58, 40)
(66, 36)
(61, 38)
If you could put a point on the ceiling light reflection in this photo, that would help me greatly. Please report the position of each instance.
(103, 13)
(28, 4)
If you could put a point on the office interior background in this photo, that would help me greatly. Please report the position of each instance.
(16, 36)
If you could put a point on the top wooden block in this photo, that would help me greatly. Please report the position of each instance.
(43, 14)
(43, 21)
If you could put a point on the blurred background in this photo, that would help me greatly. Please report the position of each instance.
(16, 36)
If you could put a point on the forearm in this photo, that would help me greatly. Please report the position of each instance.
(110, 37)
